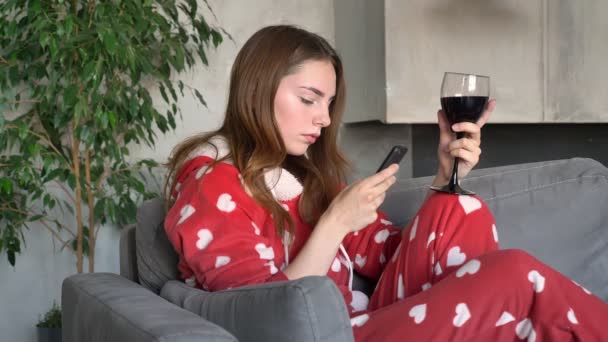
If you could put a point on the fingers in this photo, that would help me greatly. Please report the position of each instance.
(464, 143)
(382, 187)
(445, 134)
(380, 177)
(471, 157)
(487, 112)
(473, 130)
(377, 202)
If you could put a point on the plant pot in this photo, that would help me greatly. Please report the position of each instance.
(49, 334)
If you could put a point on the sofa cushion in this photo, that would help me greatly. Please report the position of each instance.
(306, 309)
(156, 258)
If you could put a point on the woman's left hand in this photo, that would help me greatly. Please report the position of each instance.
(467, 148)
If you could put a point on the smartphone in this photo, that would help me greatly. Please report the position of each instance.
(393, 157)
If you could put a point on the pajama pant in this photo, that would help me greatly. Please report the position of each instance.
(448, 281)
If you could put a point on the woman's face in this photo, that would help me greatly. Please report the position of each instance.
(301, 104)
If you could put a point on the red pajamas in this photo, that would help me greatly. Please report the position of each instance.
(457, 286)
(441, 280)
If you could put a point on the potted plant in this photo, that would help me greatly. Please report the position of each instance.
(49, 326)
(76, 79)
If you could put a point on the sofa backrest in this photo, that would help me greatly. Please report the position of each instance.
(156, 258)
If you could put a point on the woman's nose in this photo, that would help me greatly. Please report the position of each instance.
(322, 119)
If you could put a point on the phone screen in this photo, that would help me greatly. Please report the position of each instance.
(393, 157)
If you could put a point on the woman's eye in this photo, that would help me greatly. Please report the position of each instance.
(305, 101)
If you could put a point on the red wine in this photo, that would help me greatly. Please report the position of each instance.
(463, 108)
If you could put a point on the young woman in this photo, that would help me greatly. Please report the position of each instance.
(264, 199)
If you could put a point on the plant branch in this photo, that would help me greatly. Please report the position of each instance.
(23, 101)
(45, 140)
(65, 190)
(106, 169)
(43, 221)
(76, 161)
(91, 203)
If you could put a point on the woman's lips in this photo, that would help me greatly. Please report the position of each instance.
(310, 138)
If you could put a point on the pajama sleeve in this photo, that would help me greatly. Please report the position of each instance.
(213, 227)
(371, 247)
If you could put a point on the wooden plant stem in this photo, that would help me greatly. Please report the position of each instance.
(87, 174)
(76, 161)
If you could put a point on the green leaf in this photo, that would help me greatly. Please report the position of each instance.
(6, 186)
(112, 119)
(70, 95)
(163, 93)
(217, 38)
(200, 97)
(109, 41)
(35, 218)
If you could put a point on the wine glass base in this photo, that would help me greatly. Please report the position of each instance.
(452, 189)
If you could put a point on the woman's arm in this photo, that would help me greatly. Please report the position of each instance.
(318, 252)
(353, 209)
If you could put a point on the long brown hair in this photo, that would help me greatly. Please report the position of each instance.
(251, 131)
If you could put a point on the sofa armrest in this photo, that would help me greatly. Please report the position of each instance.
(107, 307)
(307, 309)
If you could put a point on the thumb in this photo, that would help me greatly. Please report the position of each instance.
(445, 133)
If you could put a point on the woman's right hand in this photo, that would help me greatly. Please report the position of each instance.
(356, 206)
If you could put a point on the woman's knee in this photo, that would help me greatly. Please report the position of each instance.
(515, 262)
(447, 202)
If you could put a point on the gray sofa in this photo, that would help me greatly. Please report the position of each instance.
(557, 211)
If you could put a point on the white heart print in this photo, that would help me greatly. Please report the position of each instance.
(381, 236)
(462, 315)
(396, 253)
(185, 212)
(221, 261)
(431, 238)
(204, 238)
(470, 267)
(414, 229)
(469, 203)
(426, 286)
(455, 257)
(386, 222)
(273, 268)
(359, 320)
(256, 229)
(225, 203)
(438, 270)
(572, 317)
(266, 253)
(582, 287)
(538, 280)
(400, 289)
(505, 318)
(360, 261)
(418, 313)
(359, 301)
(336, 266)
(382, 258)
(524, 329)
(495, 232)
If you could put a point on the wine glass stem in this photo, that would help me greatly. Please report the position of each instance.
(454, 178)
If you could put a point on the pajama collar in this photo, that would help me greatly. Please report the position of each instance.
(283, 185)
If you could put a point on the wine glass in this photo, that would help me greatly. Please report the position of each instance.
(463, 99)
